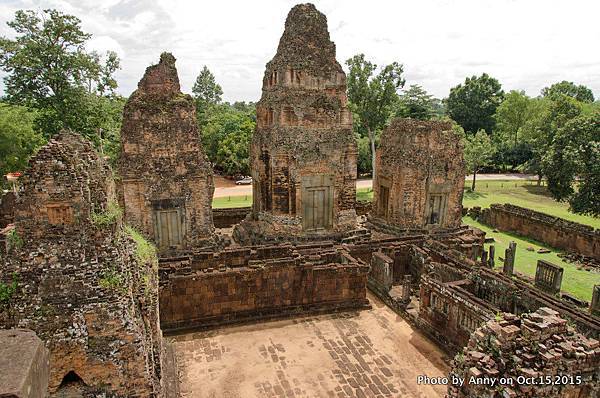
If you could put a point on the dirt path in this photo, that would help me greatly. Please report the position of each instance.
(367, 353)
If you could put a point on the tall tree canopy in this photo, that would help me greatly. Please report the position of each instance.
(415, 103)
(226, 137)
(18, 139)
(49, 69)
(575, 153)
(478, 152)
(580, 93)
(207, 93)
(372, 96)
(474, 103)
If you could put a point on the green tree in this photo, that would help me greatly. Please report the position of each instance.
(512, 114)
(226, 139)
(474, 103)
(548, 116)
(478, 152)
(18, 139)
(372, 96)
(575, 154)
(415, 103)
(580, 93)
(207, 93)
(49, 69)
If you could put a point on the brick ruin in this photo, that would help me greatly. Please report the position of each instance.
(210, 289)
(419, 177)
(90, 295)
(537, 354)
(166, 179)
(303, 153)
(553, 231)
(82, 287)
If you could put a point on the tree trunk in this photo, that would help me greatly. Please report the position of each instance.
(372, 141)
(539, 181)
(473, 183)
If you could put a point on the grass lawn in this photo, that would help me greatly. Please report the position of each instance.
(232, 201)
(579, 283)
(524, 194)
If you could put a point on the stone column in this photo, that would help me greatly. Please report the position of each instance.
(509, 259)
(492, 254)
(406, 288)
(595, 306)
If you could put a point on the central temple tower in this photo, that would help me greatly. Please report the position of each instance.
(303, 153)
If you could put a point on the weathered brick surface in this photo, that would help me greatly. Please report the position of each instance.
(81, 287)
(23, 365)
(243, 284)
(553, 231)
(417, 162)
(304, 129)
(162, 164)
(559, 362)
(7, 205)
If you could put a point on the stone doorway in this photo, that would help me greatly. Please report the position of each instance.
(169, 228)
(317, 202)
(436, 209)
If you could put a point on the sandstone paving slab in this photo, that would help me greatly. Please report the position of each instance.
(371, 353)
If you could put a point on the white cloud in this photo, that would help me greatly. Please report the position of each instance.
(525, 44)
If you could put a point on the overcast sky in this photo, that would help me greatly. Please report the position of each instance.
(526, 44)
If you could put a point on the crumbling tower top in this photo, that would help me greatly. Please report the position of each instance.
(305, 43)
(160, 79)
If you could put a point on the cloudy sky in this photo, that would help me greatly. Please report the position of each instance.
(526, 44)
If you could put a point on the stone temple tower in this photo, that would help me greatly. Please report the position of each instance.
(167, 180)
(303, 153)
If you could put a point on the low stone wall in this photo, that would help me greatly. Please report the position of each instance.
(243, 284)
(24, 367)
(227, 218)
(553, 231)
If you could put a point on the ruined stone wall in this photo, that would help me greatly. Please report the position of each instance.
(553, 231)
(167, 180)
(448, 310)
(419, 175)
(82, 285)
(7, 208)
(382, 271)
(539, 347)
(226, 218)
(237, 285)
(303, 138)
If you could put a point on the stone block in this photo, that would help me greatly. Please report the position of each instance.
(24, 364)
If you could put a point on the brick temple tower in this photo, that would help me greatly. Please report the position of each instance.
(167, 180)
(420, 175)
(81, 286)
(303, 153)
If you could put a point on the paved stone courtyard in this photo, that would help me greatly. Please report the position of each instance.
(372, 353)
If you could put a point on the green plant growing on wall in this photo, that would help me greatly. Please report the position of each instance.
(112, 280)
(14, 240)
(145, 252)
(7, 294)
(107, 217)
